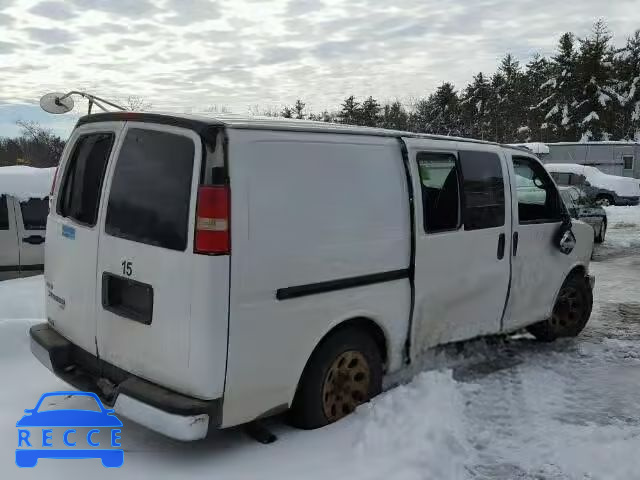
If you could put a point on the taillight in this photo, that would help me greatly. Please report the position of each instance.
(212, 220)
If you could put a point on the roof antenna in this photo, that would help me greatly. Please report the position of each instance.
(57, 102)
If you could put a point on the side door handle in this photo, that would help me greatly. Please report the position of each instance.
(34, 239)
(515, 243)
(501, 242)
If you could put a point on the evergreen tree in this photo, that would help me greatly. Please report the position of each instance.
(287, 112)
(439, 114)
(559, 94)
(474, 107)
(537, 73)
(511, 106)
(370, 113)
(595, 85)
(350, 112)
(299, 109)
(394, 116)
(627, 67)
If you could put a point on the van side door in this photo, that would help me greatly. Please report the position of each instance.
(538, 266)
(31, 219)
(463, 230)
(9, 251)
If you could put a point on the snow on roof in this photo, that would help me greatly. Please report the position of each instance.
(535, 147)
(25, 182)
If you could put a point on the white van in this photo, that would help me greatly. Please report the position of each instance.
(204, 273)
(24, 205)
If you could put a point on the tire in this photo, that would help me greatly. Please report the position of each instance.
(344, 371)
(570, 313)
(605, 200)
(602, 232)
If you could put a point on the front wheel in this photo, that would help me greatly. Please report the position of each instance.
(570, 313)
(343, 372)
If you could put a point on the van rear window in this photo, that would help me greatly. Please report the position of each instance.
(151, 189)
(80, 189)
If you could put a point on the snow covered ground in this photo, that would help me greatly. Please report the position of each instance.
(507, 410)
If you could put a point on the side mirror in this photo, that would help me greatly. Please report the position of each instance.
(28, 410)
(567, 241)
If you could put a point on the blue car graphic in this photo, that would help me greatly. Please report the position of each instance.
(28, 457)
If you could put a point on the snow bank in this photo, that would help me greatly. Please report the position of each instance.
(625, 222)
(26, 182)
(22, 298)
(422, 425)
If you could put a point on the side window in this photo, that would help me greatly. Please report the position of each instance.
(563, 179)
(34, 213)
(4, 213)
(440, 196)
(538, 199)
(81, 187)
(151, 189)
(483, 190)
(628, 162)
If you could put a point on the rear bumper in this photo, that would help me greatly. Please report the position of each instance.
(157, 408)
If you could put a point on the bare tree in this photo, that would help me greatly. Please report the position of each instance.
(39, 146)
(222, 109)
(137, 103)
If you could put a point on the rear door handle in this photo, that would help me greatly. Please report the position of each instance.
(501, 242)
(34, 239)
(515, 243)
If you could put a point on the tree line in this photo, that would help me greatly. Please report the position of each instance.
(588, 90)
(36, 146)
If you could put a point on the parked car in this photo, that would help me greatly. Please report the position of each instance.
(582, 208)
(24, 205)
(606, 189)
(236, 269)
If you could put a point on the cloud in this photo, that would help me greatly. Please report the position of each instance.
(7, 47)
(189, 53)
(6, 20)
(53, 10)
(120, 8)
(50, 35)
(300, 7)
(274, 55)
(188, 12)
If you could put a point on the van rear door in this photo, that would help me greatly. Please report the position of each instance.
(72, 233)
(146, 260)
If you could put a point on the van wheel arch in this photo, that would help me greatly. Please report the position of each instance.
(369, 333)
(575, 290)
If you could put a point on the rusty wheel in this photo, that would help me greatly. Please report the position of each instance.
(343, 372)
(346, 385)
(570, 312)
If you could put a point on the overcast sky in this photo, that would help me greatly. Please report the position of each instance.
(190, 54)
